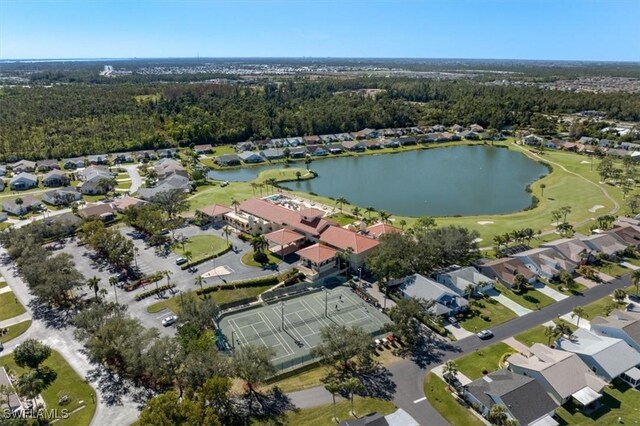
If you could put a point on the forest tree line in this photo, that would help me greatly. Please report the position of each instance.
(80, 119)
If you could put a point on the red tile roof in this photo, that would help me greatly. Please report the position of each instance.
(284, 236)
(282, 216)
(317, 253)
(215, 210)
(311, 213)
(382, 228)
(343, 238)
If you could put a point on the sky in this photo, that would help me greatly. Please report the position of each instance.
(605, 30)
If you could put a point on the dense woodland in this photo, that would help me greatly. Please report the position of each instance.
(75, 119)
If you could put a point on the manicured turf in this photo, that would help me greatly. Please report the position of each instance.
(598, 308)
(3, 284)
(536, 334)
(15, 331)
(613, 269)
(621, 405)
(202, 246)
(68, 382)
(496, 313)
(538, 300)
(441, 399)
(322, 416)
(471, 365)
(342, 218)
(220, 297)
(248, 260)
(10, 306)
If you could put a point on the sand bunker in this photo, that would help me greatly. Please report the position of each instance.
(596, 208)
(485, 222)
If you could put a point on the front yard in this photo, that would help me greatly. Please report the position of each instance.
(473, 364)
(441, 399)
(600, 307)
(536, 334)
(15, 330)
(491, 313)
(532, 299)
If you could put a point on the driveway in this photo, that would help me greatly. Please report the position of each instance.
(136, 179)
(548, 291)
(510, 304)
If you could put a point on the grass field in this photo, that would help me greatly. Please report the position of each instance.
(612, 269)
(68, 382)
(537, 299)
(202, 246)
(496, 313)
(441, 399)
(220, 297)
(10, 306)
(15, 330)
(248, 260)
(536, 334)
(471, 365)
(342, 218)
(599, 307)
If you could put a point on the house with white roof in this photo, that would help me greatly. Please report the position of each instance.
(620, 325)
(608, 357)
(458, 279)
(446, 301)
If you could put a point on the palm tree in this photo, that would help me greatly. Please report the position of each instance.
(384, 216)
(498, 415)
(498, 240)
(450, 371)
(550, 332)
(168, 275)
(402, 223)
(113, 282)
(519, 283)
(579, 312)
(333, 387)
(259, 243)
(188, 255)
(619, 295)
(352, 385)
(563, 329)
(19, 202)
(369, 210)
(94, 284)
(226, 231)
(356, 211)
(635, 279)
(341, 202)
(253, 187)
(542, 187)
(272, 182)
(200, 281)
(468, 290)
(235, 204)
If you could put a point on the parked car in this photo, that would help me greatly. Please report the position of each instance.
(181, 261)
(485, 334)
(170, 320)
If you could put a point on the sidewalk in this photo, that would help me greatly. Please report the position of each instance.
(15, 320)
(438, 371)
(458, 332)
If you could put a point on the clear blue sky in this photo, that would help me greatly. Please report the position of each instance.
(501, 29)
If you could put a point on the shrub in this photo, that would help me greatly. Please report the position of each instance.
(204, 259)
(260, 257)
(154, 291)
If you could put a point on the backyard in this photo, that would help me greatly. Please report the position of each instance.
(473, 364)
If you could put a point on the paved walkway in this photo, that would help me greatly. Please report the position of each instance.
(630, 266)
(510, 304)
(586, 282)
(15, 320)
(520, 347)
(6, 289)
(136, 179)
(458, 332)
(548, 291)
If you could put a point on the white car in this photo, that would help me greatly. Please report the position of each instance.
(485, 334)
(181, 261)
(170, 320)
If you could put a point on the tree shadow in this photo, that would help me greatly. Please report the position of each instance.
(429, 349)
(111, 386)
(272, 406)
(377, 383)
(52, 317)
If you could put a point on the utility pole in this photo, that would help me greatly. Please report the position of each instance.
(233, 341)
(326, 303)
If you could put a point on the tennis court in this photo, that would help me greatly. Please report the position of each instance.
(292, 328)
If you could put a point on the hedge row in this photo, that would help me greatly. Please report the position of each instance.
(204, 259)
(151, 292)
(148, 279)
(271, 279)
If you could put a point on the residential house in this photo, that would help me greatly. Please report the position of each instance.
(145, 156)
(299, 152)
(533, 140)
(295, 141)
(345, 240)
(243, 146)
(613, 152)
(98, 160)
(627, 233)
(391, 143)
(93, 178)
(446, 302)
(250, 157)
(440, 128)
(629, 146)
(311, 140)
(173, 182)
(317, 150)
(355, 146)
(168, 153)
(228, 160)
(524, 398)
(3, 170)
(213, 213)
(397, 418)
(23, 166)
(366, 134)
(104, 211)
(505, 270)
(25, 205)
(319, 260)
(73, 163)
(469, 135)
(458, 279)
(23, 181)
(476, 128)
(620, 325)
(608, 357)
(122, 157)
(563, 375)
(61, 196)
(573, 249)
(457, 128)
(328, 138)
(545, 262)
(167, 167)
(585, 140)
(343, 137)
(373, 144)
(262, 144)
(47, 165)
(606, 243)
(335, 148)
(277, 143)
(55, 178)
(408, 140)
(123, 203)
(272, 154)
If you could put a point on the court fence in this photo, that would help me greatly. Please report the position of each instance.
(291, 290)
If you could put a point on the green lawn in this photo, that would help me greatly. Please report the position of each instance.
(494, 311)
(599, 307)
(613, 269)
(619, 401)
(68, 382)
(202, 246)
(322, 416)
(10, 306)
(441, 399)
(15, 330)
(220, 297)
(536, 299)
(342, 218)
(248, 260)
(3, 284)
(536, 334)
(471, 365)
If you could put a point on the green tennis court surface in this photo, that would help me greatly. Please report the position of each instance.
(302, 317)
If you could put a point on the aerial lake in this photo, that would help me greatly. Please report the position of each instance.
(461, 180)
